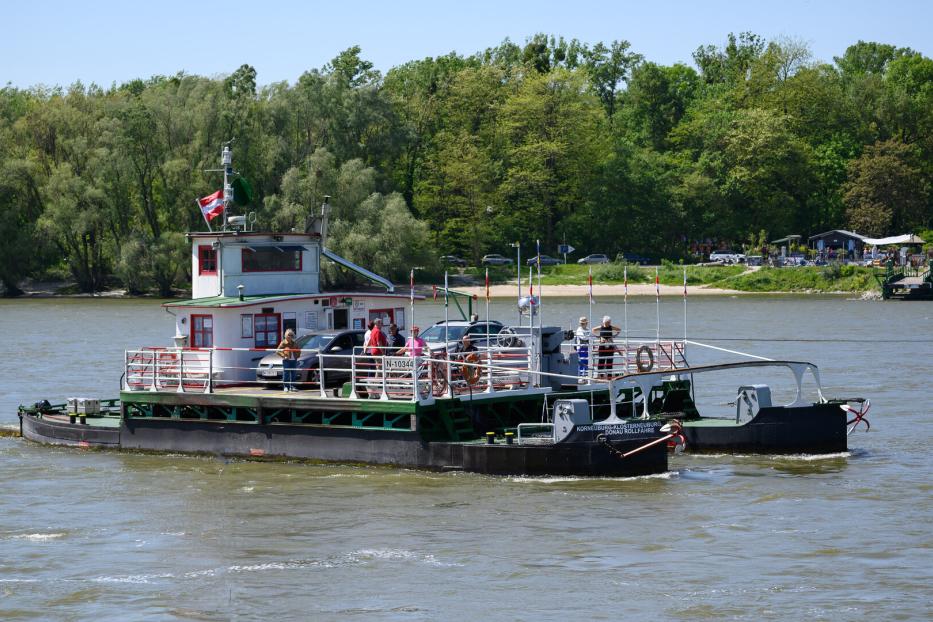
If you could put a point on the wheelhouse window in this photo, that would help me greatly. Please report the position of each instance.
(272, 259)
(207, 260)
(202, 331)
(266, 329)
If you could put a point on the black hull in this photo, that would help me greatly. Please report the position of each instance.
(346, 445)
(820, 428)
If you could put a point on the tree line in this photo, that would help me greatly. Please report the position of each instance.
(553, 140)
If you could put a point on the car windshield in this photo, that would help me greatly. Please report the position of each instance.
(436, 333)
(314, 342)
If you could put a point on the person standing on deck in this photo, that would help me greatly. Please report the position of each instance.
(375, 348)
(289, 351)
(395, 338)
(581, 343)
(606, 349)
(415, 344)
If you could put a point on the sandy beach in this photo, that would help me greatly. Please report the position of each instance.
(569, 291)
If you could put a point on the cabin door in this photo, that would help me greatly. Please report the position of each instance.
(338, 319)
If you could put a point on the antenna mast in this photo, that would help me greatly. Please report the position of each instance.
(226, 161)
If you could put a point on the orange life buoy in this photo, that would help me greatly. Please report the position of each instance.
(471, 374)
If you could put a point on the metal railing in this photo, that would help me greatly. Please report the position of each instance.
(386, 377)
(601, 361)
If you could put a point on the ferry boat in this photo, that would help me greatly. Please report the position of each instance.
(520, 405)
(207, 392)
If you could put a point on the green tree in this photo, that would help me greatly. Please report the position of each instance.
(659, 97)
(886, 192)
(608, 68)
(552, 136)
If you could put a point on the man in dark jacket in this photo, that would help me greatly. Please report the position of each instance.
(396, 340)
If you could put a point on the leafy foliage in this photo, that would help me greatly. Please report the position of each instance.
(547, 140)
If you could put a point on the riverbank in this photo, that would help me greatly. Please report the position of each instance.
(609, 279)
(570, 291)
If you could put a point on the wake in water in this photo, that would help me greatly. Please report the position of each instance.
(558, 480)
(353, 558)
(37, 537)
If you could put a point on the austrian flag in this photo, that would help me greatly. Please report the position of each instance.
(212, 205)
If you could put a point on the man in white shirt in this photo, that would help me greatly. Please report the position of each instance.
(581, 343)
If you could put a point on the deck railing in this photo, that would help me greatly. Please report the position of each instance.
(407, 378)
(487, 370)
(621, 357)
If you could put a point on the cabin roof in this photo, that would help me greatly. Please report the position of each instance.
(214, 302)
(251, 234)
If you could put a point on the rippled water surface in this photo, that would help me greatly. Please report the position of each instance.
(107, 535)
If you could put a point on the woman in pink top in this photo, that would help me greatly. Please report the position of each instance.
(415, 344)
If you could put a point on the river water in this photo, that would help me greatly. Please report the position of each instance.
(123, 536)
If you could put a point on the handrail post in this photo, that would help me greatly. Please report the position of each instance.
(450, 384)
(126, 370)
(209, 385)
(320, 373)
(155, 371)
(382, 360)
(415, 393)
(353, 394)
(489, 388)
(181, 371)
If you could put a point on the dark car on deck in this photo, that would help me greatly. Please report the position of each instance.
(454, 330)
(334, 345)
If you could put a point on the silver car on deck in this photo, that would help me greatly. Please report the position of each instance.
(334, 345)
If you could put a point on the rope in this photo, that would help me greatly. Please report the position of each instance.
(676, 434)
(841, 340)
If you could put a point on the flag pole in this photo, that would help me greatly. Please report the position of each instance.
(657, 297)
(532, 357)
(625, 312)
(519, 271)
(204, 216)
(590, 354)
(487, 307)
(447, 332)
(411, 322)
(540, 291)
(684, 350)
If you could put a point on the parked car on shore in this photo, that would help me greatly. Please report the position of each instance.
(338, 344)
(546, 260)
(727, 256)
(453, 260)
(494, 259)
(594, 259)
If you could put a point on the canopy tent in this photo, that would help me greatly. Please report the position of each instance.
(894, 240)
